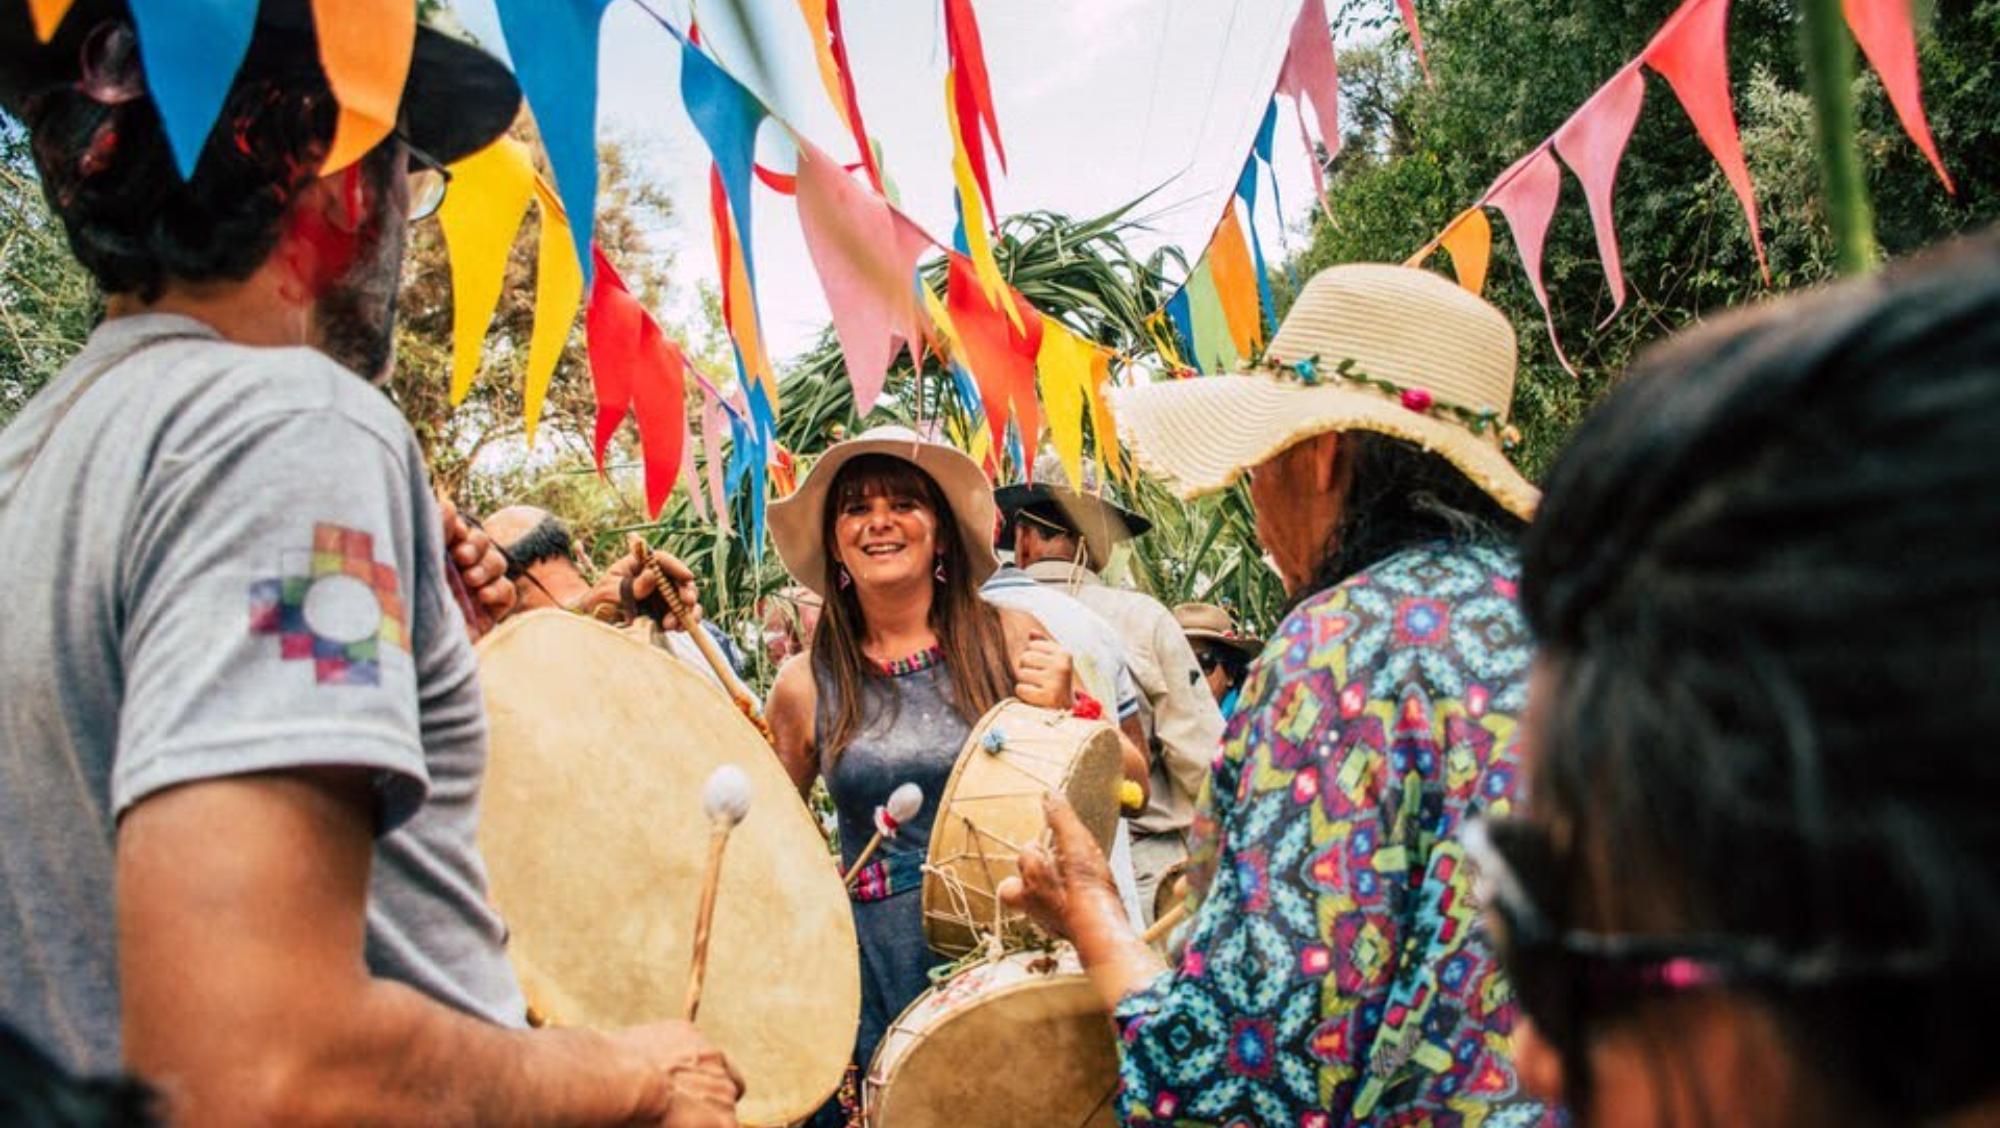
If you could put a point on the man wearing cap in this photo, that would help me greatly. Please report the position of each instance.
(1336, 969)
(1063, 538)
(240, 721)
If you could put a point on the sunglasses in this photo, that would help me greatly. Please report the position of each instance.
(1563, 976)
(1209, 660)
(428, 179)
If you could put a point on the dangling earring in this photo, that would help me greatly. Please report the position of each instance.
(842, 577)
(938, 572)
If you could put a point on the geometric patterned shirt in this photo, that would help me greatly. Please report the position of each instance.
(1336, 969)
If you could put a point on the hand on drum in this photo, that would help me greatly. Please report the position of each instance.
(633, 566)
(700, 1087)
(1063, 887)
(1042, 674)
(482, 567)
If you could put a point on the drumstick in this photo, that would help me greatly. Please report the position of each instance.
(726, 799)
(709, 651)
(1166, 923)
(903, 805)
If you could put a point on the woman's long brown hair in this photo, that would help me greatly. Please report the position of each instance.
(968, 628)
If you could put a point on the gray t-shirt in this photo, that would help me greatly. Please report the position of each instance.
(222, 560)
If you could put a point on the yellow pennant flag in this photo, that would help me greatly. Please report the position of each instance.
(972, 214)
(814, 12)
(480, 219)
(48, 16)
(365, 48)
(1064, 366)
(1110, 456)
(1469, 238)
(1236, 284)
(558, 295)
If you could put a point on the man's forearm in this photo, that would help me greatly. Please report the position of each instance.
(1118, 960)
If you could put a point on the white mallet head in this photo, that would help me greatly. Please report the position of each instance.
(905, 802)
(726, 797)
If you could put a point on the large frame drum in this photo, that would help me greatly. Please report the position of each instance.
(595, 844)
(992, 807)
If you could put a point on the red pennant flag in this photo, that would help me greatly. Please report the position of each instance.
(1692, 53)
(1526, 195)
(837, 45)
(611, 333)
(1001, 357)
(1592, 142)
(659, 402)
(1409, 8)
(1887, 36)
(974, 95)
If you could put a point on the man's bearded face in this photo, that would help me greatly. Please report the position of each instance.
(356, 316)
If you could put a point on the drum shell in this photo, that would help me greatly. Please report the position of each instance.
(596, 844)
(992, 804)
(1018, 1042)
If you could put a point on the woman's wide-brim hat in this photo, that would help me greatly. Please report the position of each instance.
(456, 101)
(1205, 622)
(1366, 347)
(797, 522)
(1100, 523)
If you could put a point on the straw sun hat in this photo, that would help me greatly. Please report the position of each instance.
(796, 521)
(1390, 349)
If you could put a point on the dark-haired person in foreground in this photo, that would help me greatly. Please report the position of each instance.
(1336, 971)
(1759, 880)
(240, 722)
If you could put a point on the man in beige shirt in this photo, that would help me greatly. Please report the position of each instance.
(1064, 538)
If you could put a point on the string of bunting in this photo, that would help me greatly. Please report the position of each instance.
(1690, 51)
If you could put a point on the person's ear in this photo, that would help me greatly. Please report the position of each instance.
(1325, 456)
(321, 233)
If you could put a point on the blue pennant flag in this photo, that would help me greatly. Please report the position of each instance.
(191, 50)
(727, 116)
(554, 47)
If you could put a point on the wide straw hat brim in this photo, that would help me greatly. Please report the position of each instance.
(457, 100)
(1396, 324)
(797, 521)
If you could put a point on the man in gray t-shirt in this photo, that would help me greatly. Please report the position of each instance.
(241, 734)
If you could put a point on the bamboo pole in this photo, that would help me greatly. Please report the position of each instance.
(1829, 60)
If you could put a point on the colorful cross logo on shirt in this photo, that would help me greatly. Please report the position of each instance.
(336, 606)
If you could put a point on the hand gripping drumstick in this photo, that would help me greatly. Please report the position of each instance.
(708, 649)
(903, 805)
(726, 799)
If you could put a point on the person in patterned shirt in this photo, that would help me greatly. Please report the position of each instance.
(1335, 969)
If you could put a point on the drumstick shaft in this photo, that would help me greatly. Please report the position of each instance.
(1166, 923)
(704, 917)
(710, 652)
(860, 860)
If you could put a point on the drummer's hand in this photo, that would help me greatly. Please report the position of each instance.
(480, 563)
(644, 586)
(700, 1086)
(1061, 888)
(1042, 674)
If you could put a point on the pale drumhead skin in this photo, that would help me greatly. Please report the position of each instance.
(595, 845)
(1003, 1045)
(992, 805)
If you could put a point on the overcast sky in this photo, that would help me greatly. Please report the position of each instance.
(1099, 102)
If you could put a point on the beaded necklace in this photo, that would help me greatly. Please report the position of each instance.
(921, 660)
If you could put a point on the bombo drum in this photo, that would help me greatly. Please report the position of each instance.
(596, 844)
(1018, 1042)
(992, 807)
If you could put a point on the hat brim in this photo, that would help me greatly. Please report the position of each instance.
(796, 520)
(1202, 435)
(1102, 524)
(1242, 644)
(456, 101)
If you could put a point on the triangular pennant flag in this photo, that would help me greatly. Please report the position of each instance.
(191, 51)
(739, 301)
(1110, 456)
(554, 47)
(727, 116)
(1469, 239)
(1409, 10)
(365, 48)
(975, 241)
(611, 333)
(1001, 357)
(1246, 188)
(48, 16)
(972, 104)
(1182, 319)
(1236, 284)
(713, 421)
(1526, 195)
(1888, 38)
(871, 157)
(558, 294)
(1214, 347)
(479, 222)
(1064, 365)
(1592, 142)
(1692, 53)
(1310, 74)
(690, 474)
(865, 269)
(659, 403)
(815, 13)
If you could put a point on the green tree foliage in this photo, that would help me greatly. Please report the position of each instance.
(48, 303)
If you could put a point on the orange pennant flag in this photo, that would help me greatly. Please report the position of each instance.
(1470, 241)
(1109, 455)
(48, 16)
(1236, 283)
(365, 47)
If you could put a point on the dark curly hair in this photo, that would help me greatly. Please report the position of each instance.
(134, 223)
(1765, 581)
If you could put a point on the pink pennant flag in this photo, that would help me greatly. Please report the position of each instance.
(1526, 195)
(1592, 142)
(864, 265)
(1692, 53)
(690, 477)
(1310, 73)
(1409, 8)
(714, 424)
(1888, 37)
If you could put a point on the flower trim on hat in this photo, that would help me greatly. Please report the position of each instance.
(1418, 399)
